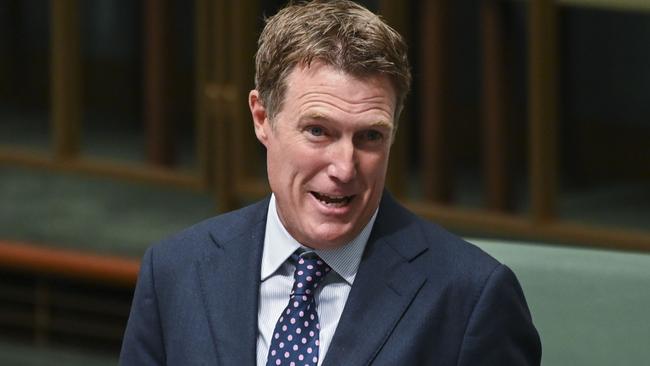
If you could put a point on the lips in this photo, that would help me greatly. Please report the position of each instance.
(332, 201)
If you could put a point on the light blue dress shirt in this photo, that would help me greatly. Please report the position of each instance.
(277, 281)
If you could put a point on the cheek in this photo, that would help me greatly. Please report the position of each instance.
(374, 166)
(303, 156)
(278, 167)
(293, 164)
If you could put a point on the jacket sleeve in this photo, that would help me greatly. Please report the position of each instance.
(143, 340)
(500, 330)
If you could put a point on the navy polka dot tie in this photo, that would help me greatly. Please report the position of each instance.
(295, 337)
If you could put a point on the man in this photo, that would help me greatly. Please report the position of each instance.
(329, 270)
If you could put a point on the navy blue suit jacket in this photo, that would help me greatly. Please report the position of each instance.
(422, 296)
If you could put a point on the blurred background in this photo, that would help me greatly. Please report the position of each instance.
(122, 122)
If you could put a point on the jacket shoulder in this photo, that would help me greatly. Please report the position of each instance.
(199, 240)
(458, 252)
(441, 249)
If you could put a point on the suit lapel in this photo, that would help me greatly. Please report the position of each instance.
(230, 281)
(385, 286)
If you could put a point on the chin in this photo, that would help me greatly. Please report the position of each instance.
(324, 239)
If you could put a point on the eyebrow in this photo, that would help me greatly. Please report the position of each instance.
(378, 124)
(382, 124)
(314, 115)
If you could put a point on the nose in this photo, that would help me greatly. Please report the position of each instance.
(343, 164)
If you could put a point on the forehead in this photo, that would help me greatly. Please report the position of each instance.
(354, 94)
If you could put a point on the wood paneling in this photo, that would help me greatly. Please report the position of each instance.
(157, 82)
(65, 78)
(494, 103)
(435, 168)
(543, 116)
(114, 270)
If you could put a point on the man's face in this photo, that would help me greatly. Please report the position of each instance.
(327, 152)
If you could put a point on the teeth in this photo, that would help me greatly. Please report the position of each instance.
(334, 201)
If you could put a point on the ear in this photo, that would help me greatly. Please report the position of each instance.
(260, 119)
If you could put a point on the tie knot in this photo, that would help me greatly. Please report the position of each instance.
(309, 272)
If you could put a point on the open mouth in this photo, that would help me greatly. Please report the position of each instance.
(333, 201)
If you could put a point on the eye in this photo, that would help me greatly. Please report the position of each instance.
(373, 135)
(315, 131)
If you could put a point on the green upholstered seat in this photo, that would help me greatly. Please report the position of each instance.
(591, 307)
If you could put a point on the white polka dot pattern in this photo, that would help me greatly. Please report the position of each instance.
(295, 337)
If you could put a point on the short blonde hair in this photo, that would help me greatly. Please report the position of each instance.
(339, 33)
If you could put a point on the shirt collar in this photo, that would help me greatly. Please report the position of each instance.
(279, 245)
